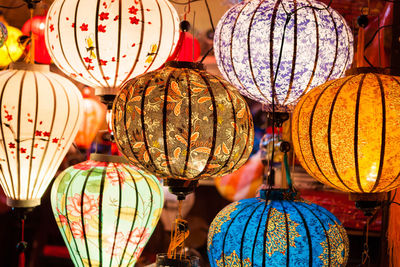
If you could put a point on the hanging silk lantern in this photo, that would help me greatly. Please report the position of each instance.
(106, 210)
(93, 116)
(105, 43)
(12, 50)
(3, 34)
(276, 230)
(317, 45)
(345, 132)
(40, 115)
(188, 48)
(181, 122)
(36, 25)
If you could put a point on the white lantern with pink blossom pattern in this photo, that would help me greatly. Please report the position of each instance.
(106, 210)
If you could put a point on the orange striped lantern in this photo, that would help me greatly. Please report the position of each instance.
(93, 116)
(183, 123)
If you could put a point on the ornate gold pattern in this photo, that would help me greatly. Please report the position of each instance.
(277, 233)
(233, 260)
(337, 240)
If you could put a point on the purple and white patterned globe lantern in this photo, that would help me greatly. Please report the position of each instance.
(317, 46)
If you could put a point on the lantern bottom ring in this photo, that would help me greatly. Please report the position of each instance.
(181, 188)
(17, 203)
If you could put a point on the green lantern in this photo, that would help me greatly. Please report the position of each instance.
(106, 210)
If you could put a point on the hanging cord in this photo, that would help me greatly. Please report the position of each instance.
(178, 235)
(372, 39)
(365, 258)
(213, 30)
(22, 245)
(12, 7)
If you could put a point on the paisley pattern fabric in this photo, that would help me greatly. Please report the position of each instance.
(317, 45)
(106, 211)
(346, 133)
(183, 123)
(276, 233)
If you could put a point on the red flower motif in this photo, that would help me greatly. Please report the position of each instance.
(55, 140)
(84, 27)
(103, 16)
(73, 25)
(114, 176)
(138, 236)
(90, 67)
(133, 10)
(106, 78)
(113, 59)
(116, 18)
(77, 229)
(89, 208)
(51, 27)
(103, 62)
(9, 117)
(23, 150)
(11, 145)
(46, 134)
(120, 242)
(62, 218)
(134, 20)
(102, 28)
(38, 133)
(87, 60)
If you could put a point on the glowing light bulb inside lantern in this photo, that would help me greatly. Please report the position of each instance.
(41, 26)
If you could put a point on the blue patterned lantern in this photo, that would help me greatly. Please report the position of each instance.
(316, 42)
(279, 231)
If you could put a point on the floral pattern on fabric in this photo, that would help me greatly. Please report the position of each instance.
(336, 235)
(233, 261)
(114, 201)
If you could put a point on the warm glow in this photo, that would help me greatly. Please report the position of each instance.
(346, 133)
(11, 51)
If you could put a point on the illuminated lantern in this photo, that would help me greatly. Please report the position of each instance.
(103, 44)
(188, 48)
(12, 50)
(106, 210)
(93, 116)
(346, 131)
(40, 116)
(275, 230)
(317, 47)
(183, 123)
(3, 34)
(37, 26)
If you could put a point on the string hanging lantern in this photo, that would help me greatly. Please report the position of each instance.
(281, 48)
(106, 210)
(93, 116)
(36, 25)
(40, 116)
(345, 132)
(182, 123)
(105, 43)
(276, 230)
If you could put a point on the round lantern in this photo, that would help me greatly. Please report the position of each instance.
(12, 50)
(274, 230)
(36, 25)
(106, 210)
(181, 122)
(317, 45)
(3, 34)
(103, 44)
(40, 115)
(93, 116)
(345, 133)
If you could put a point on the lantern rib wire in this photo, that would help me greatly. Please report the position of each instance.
(118, 43)
(101, 194)
(117, 222)
(258, 229)
(310, 248)
(287, 234)
(266, 231)
(164, 121)
(83, 217)
(18, 156)
(189, 142)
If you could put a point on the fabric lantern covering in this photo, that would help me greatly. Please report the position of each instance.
(103, 44)
(181, 122)
(3, 34)
(317, 47)
(276, 232)
(93, 116)
(106, 210)
(37, 26)
(40, 116)
(12, 50)
(346, 133)
(188, 48)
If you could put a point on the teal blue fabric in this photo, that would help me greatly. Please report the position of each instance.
(255, 232)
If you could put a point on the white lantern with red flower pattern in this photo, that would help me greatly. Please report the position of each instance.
(104, 43)
(39, 117)
(106, 210)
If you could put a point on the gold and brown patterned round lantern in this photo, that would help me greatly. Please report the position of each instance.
(183, 124)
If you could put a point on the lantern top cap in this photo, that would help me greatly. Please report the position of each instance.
(29, 67)
(185, 64)
(23, 203)
(364, 70)
(108, 158)
(277, 194)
